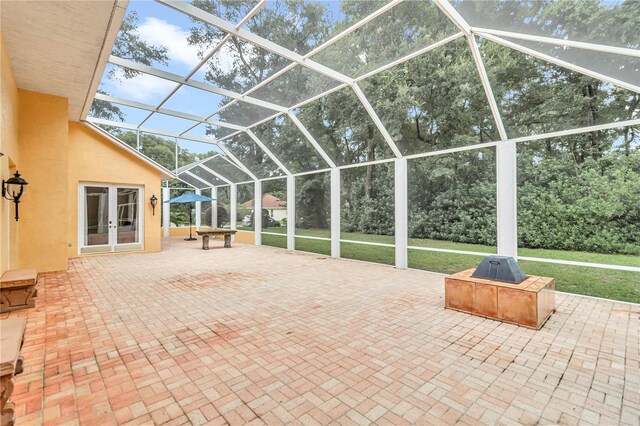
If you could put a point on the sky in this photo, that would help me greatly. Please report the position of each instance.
(161, 25)
(158, 24)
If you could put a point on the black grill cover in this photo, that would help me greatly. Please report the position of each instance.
(500, 268)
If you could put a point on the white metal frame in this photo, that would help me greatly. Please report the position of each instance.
(505, 147)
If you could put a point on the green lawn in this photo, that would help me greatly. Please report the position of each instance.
(607, 283)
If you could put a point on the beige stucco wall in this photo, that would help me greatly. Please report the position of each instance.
(9, 147)
(54, 155)
(43, 146)
(93, 158)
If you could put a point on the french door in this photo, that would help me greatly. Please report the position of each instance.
(110, 218)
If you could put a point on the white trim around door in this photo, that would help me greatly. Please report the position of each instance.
(110, 218)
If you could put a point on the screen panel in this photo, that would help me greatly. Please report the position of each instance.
(245, 207)
(452, 205)
(294, 86)
(212, 179)
(226, 169)
(224, 207)
(435, 101)
(591, 22)
(578, 197)
(313, 206)
(535, 96)
(274, 212)
(404, 29)
(367, 212)
(205, 209)
(253, 157)
(287, 143)
(621, 67)
(239, 65)
(344, 129)
(303, 26)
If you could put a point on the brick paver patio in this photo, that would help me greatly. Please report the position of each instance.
(261, 335)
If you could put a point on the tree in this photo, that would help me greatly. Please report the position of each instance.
(576, 192)
(128, 45)
(159, 149)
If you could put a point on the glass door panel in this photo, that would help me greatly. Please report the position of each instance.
(127, 210)
(96, 223)
(111, 218)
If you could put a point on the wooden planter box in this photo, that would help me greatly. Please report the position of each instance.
(528, 304)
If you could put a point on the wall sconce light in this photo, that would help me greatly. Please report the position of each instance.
(13, 188)
(154, 202)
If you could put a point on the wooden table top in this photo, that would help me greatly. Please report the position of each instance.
(217, 231)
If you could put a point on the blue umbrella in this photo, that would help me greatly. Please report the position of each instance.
(189, 198)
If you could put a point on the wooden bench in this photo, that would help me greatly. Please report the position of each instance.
(528, 304)
(18, 289)
(216, 231)
(11, 364)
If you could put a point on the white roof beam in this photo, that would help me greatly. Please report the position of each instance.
(216, 174)
(353, 27)
(170, 112)
(236, 163)
(175, 135)
(192, 83)
(411, 56)
(255, 39)
(251, 13)
(208, 56)
(152, 131)
(268, 152)
(484, 78)
(561, 63)
(560, 42)
(193, 175)
(188, 76)
(453, 15)
(311, 139)
(376, 120)
(579, 130)
(185, 182)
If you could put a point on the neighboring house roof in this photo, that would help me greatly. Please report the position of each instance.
(165, 173)
(269, 202)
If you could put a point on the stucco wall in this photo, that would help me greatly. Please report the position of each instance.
(245, 237)
(42, 143)
(93, 158)
(9, 147)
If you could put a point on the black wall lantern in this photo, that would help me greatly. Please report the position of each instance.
(154, 202)
(13, 188)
